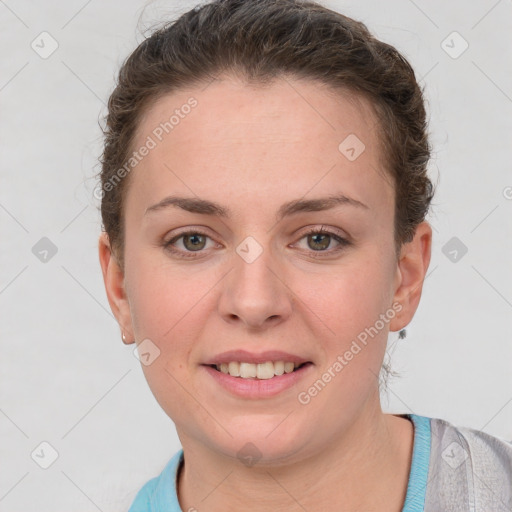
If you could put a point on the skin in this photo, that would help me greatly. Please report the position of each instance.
(251, 149)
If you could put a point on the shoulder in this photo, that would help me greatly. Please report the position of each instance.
(159, 493)
(142, 501)
(469, 469)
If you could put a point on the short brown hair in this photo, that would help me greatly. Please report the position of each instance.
(262, 40)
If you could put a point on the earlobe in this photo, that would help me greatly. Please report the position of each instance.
(125, 339)
(411, 272)
(113, 278)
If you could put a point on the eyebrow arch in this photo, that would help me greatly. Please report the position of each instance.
(206, 207)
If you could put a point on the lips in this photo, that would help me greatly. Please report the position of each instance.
(255, 388)
(256, 376)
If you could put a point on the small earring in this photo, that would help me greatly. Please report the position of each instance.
(124, 337)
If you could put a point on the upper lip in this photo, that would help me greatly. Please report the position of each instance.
(255, 358)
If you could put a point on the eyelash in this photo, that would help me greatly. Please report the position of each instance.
(343, 242)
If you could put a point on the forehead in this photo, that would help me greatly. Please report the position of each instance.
(289, 135)
(282, 110)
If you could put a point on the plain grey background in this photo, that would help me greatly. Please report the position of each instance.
(67, 379)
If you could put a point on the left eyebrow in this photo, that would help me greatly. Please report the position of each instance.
(206, 207)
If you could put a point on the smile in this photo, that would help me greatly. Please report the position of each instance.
(258, 380)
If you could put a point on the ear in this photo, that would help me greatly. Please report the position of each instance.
(113, 277)
(411, 271)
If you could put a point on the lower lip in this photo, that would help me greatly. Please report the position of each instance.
(258, 388)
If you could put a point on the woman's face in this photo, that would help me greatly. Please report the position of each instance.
(252, 285)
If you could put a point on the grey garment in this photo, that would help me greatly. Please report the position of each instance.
(469, 470)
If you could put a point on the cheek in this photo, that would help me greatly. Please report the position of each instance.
(349, 299)
(160, 294)
(169, 306)
(353, 337)
(356, 338)
(167, 310)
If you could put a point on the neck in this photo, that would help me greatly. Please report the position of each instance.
(367, 468)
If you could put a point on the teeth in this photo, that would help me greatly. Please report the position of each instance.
(261, 371)
(279, 367)
(265, 370)
(288, 367)
(234, 369)
(247, 370)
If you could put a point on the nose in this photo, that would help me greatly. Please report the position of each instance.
(255, 293)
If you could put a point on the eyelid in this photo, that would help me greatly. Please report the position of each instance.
(326, 229)
(190, 229)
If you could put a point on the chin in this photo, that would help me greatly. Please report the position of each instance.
(263, 441)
